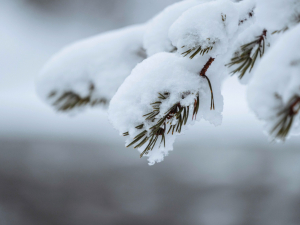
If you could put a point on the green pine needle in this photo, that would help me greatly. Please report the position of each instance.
(70, 100)
(196, 50)
(177, 113)
(246, 60)
(281, 31)
(286, 118)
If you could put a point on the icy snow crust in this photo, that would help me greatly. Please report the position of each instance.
(277, 80)
(156, 36)
(103, 61)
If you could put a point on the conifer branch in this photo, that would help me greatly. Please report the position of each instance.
(286, 118)
(203, 74)
(248, 56)
(197, 50)
(174, 119)
(70, 100)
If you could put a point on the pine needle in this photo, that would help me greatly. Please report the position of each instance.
(197, 50)
(286, 118)
(177, 113)
(246, 60)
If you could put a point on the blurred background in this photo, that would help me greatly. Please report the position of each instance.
(62, 170)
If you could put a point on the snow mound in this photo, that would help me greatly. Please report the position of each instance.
(176, 78)
(89, 72)
(276, 83)
(212, 24)
(156, 35)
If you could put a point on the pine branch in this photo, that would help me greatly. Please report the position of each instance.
(203, 74)
(174, 119)
(280, 31)
(197, 50)
(70, 100)
(249, 53)
(286, 118)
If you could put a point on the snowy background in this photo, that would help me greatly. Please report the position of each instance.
(57, 169)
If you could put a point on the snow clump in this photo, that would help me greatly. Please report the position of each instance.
(275, 86)
(179, 80)
(90, 71)
(156, 37)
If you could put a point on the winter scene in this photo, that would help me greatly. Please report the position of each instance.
(180, 112)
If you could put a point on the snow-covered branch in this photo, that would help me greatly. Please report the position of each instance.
(89, 72)
(163, 76)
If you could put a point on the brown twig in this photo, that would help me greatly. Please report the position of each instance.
(206, 66)
(262, 37)
(203, 74)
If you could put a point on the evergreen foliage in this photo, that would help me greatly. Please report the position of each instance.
(196, 29)
(70, 100)
(246, 58)
(286, 118)
(171, 122)
(196, 50)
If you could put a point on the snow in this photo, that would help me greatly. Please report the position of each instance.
(276, 80)
(92, 68)
(246, 10)
(210, 24)
(270, 15)
(245, 37)
(95, 68)
(280, 13)
(156, 36)
(161, 73)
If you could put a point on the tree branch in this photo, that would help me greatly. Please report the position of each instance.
(203, 74)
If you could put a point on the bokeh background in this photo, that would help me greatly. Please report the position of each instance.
(62, 170)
